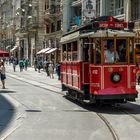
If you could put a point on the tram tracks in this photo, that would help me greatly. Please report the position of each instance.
(27, 80)
(100, 115)
(109, 126)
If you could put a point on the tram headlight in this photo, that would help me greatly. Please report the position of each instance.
(115, 77)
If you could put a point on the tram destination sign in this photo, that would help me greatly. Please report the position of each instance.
(121, 25)
(109, 22)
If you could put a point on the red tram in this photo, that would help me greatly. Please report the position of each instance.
(98, 62)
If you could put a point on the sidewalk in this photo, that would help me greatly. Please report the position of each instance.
(33, 77)
(40, 78)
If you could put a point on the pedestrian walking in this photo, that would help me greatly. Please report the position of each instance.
(47, 68)
(35, 64)
(2, 74)
(21, 65)
(25, 64)
(51, 69)
(58, 70)
(14, 64)
(39, 65)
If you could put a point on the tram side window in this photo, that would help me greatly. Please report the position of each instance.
(121, 49)
(64, 54)
(69, 53)
(98, 51)
(74, 51)
(137, 53)
(86, 50)
(131, 45)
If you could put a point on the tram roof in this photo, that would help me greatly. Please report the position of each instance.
(99, 33)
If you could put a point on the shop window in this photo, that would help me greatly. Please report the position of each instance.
(47, 29)
(58, 25)
(52, 27)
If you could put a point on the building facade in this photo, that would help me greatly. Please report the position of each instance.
(30, 29)
(79, 12)
(27, 26)
(53, 29)
(7, 28)
(22, 27)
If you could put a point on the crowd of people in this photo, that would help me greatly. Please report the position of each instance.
(48, 66)
(23, 63)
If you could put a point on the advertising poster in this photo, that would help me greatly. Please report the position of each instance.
(88, 9)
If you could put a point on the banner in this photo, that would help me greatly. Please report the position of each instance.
(88, 10)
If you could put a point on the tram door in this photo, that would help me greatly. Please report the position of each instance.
(95, 67)
(85, 65)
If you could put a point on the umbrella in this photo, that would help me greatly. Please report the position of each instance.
(4, 53)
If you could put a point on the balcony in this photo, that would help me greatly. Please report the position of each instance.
(56, 34)
(53, 11)
(32, 22)
(76, 3)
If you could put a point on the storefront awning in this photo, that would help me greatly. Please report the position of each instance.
(15, 47)
(4, 53)
(51, 50)
(43, 50)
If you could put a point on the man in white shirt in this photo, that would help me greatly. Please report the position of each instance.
(109, 55)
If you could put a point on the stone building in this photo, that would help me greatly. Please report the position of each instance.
(31, 28)
(22, 27)
(53, 30)
(79, 12)
(7, 38)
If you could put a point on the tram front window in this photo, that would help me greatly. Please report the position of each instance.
(121, 49)
(110, 54)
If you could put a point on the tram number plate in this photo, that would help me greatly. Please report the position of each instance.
(95, 72)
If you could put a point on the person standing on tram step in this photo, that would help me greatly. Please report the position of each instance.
(2, 74)
(51, 69)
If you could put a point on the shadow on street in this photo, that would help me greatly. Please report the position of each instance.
(120, 109)
(7, 111)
